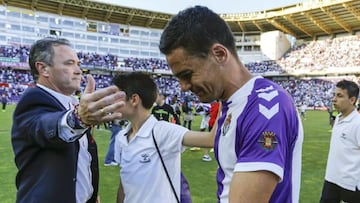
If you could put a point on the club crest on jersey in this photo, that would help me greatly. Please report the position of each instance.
(145, 158)
(226, 124)
(268, 141)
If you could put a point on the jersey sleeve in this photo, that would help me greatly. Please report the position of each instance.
(266, 135)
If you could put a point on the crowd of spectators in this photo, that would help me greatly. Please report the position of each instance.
(146, 64)
(102, 80)
(314, 56)
(314, 92)
(88, 60)
(261, 67)
(323, 54)
(21, 53)
(14, 82)
(94, 60)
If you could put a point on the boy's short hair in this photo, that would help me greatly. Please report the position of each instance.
(139, 83)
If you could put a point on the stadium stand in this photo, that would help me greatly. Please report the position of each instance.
(111, 39)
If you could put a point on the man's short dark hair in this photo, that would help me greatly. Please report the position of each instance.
(196, 29)
(43, 51)
(351, 87)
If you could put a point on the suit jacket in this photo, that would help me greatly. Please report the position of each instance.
(47, 165)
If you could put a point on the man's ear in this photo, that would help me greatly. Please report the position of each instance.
(220, 53)
(42, 68)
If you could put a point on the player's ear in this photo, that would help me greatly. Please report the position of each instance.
(220, 53)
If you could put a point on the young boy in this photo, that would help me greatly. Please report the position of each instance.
(342, 182)
(143, 176)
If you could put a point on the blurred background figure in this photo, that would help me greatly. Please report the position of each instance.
(187, 109)
(332, 113)
(303, 108)
(175, 105)
(213, 113)
(163, 111)
(203, 109)
(4, 101)
(114, 127)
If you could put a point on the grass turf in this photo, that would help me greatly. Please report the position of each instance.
(200, 174)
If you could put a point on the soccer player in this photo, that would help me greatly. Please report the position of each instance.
(259, 136)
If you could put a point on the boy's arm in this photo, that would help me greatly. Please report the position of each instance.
(198, 139)
(201, 139)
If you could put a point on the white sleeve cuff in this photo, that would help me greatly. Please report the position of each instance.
(68, 134)
(260, 166)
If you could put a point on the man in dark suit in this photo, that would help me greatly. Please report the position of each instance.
(55, 152)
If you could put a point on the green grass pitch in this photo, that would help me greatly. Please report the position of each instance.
(200, 174)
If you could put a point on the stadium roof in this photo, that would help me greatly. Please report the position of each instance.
(303, 20)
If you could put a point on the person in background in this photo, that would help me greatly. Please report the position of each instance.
(203, 109)
(332, 113)
(303, 109)
(4, 101)
(187, 109)
(77, 94)
(149, 150)
(163, 111)
(204, 125)
(51, 136)
(342, 176)
(114, 127)
(259, 137)
(213, 114)
(175, 105)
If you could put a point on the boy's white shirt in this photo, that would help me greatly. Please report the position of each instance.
(141, 169)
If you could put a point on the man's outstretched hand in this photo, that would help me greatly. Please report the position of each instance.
(100, 106)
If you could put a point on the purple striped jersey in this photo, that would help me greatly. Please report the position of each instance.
(259, 129)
